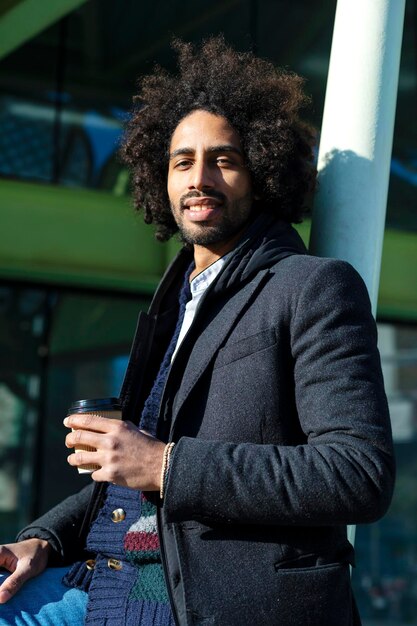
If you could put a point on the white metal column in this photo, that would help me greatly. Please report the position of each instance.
(356, 137)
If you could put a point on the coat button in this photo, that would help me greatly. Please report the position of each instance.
(114, 564)
(118, 515)
(90, 564)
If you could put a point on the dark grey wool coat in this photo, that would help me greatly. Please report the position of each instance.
(276, 401)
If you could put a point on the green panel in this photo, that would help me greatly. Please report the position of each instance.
(7, 5)
(398, 285)
(304, 231)
(75, 237)
(90, 238)
(397, 297)
(21, 20)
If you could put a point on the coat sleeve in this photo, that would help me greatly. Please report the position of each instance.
(344, 473)
(61, 528)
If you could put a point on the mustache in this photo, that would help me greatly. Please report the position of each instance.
(216, 195)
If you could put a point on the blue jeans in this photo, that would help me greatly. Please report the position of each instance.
(44, 601)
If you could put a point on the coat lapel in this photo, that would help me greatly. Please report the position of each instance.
(207, 339)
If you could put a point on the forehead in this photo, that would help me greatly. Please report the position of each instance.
(203, 129)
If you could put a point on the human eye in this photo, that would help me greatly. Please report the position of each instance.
(224, 161)
(182, 164)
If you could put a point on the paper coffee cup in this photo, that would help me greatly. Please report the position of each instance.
(102, 407)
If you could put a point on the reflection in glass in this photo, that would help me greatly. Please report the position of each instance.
(386, 577)
(55, 347)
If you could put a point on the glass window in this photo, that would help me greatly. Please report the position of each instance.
(65, 93)
(22, 336)
(385, 579)
(63, 99)
(55, 347)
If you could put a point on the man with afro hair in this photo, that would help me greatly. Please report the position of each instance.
(255, 425)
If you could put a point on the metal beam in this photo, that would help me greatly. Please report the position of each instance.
(20, 20)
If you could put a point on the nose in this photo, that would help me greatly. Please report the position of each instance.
(201, 176)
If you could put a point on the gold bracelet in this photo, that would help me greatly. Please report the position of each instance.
(165, 467)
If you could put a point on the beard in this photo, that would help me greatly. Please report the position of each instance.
(234, 217)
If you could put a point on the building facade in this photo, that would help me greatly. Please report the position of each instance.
(76, 264)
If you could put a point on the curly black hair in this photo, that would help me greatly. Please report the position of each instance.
(261, 102)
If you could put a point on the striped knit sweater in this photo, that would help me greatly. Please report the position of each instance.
(127, 586)
(142, 550)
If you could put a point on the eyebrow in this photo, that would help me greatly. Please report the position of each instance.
(212, 149)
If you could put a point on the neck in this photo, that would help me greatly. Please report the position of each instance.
(204, 256)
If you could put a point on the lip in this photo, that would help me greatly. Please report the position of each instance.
(204, 214)
(201, 209)
(204, 201)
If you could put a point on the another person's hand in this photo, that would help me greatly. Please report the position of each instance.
(24, 560)
(126, 455)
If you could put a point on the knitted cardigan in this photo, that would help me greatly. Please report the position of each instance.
(127, 584)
